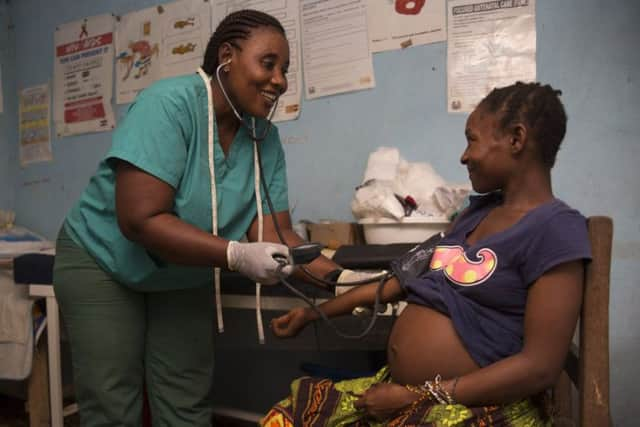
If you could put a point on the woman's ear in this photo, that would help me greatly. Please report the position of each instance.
(518, 138)
(225, 53)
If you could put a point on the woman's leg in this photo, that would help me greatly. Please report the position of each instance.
(106, 326)
(179, 359)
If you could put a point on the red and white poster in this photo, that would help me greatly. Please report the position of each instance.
(83, 76)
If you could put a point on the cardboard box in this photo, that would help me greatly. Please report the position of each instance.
(335, 234)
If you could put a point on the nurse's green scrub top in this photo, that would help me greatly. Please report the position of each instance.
(165, 134)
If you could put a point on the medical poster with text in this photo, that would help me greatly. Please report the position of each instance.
(35, 136)
(83, 76)
(335, 47)
(288, 13)
(398, 24)
(490, 44)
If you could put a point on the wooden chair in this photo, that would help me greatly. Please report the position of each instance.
(587, 366)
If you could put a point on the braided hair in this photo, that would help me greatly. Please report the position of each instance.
(536, 106)
(236, 25)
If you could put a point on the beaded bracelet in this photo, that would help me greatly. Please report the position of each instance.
(419, 391)
(434, 391)
(442, 391)
(453, 388)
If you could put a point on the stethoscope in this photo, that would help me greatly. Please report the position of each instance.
(252, 129)
(258, 181)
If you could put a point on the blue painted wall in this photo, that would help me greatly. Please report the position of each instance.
(8, 117)
(586, 48)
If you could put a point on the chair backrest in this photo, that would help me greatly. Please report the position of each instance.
(587, 367)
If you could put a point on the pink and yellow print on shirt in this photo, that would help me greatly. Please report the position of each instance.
(460, 269)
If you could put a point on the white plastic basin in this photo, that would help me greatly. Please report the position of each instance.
(407, 230)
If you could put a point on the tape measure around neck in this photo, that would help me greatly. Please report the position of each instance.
(214, 205)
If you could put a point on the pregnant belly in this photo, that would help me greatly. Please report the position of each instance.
(423, 344)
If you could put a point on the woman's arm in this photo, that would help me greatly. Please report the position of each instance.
(295, 320)
(291, 323)
(144, 208)
(361, 296)
(552, 311)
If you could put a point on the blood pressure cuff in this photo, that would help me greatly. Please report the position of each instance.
(416, 261)
(370, 257)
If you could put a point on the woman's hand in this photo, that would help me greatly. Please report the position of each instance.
(382, 401)
(290, 324)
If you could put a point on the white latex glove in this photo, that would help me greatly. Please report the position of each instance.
(256, 261)
(347, 276)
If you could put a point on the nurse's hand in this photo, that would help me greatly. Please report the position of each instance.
(258, 261)
(290, 324)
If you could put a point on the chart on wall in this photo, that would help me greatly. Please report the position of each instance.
(335, 47)
(186, 28)
(288, 13)
(35, 138)
(158, 42)
(398, 24)
(137, 53)
(490, 44)
(83, 76)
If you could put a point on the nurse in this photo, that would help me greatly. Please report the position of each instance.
(171, 200)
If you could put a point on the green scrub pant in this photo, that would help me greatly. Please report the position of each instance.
(121, 339)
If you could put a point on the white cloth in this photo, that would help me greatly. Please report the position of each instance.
(16, 329)
(376, 199)
(16, 323)
(382, 164)
(388, 178)
(451, 198)
(19, 240)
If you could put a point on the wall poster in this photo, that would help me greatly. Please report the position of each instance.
(83, 76)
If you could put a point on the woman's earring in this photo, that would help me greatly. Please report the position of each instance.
(226, 69)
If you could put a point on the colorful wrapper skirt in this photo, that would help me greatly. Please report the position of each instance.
(318, 402)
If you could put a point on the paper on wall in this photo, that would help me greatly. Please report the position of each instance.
(288, 13)
(186, 29)
(159, 42)
(83, 76)
(35, 136)
(335, 47)
(397, 24)
(490, 44)
(137, 53)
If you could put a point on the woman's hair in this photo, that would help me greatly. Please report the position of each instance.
(236, 25)
(536, 106)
